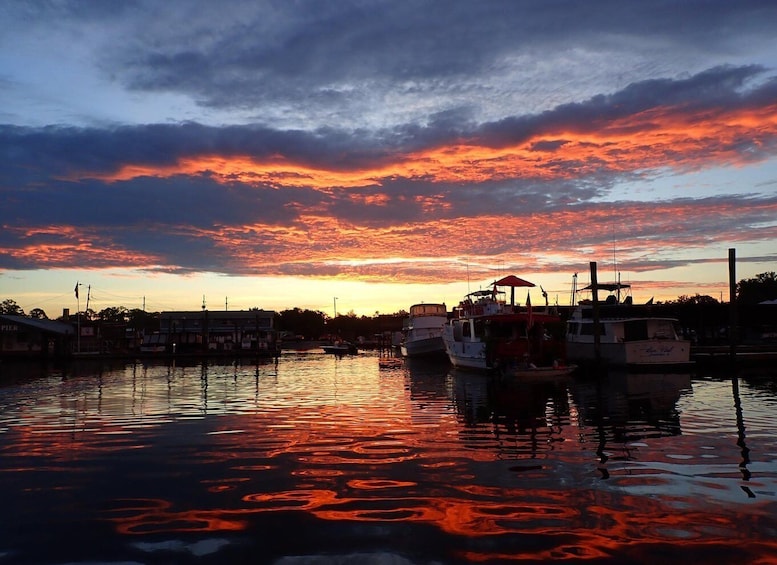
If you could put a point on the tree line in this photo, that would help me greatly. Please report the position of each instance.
(313, 323)
(310, 324)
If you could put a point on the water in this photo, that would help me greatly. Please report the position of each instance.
(318, 459)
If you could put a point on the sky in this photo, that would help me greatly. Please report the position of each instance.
(362, 156)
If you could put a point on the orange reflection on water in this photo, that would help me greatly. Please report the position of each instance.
(145, 516)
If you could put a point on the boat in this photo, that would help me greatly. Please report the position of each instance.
(630, 335)
(422, 331)
(487, 334)
(340, 348)
(529, 370)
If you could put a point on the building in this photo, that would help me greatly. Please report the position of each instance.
(238, 332)
(29, 337)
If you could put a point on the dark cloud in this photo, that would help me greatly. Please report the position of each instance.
(53, 151)
(721, 88)
(338, 54)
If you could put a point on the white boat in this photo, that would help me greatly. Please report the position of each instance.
(630, 335)
(485, 333)
(341, 348)
(422, 331)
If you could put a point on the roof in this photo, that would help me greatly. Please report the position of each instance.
(49, 326)
(512, 280)
(611, 287)
(217, 314)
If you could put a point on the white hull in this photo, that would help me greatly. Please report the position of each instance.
(465, 354)
(634, 353)
(423, 347)
(422, 332)
(627, 341)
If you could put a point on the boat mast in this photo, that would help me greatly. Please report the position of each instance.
(573, 298)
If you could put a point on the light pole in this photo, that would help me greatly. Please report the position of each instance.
(335, 301)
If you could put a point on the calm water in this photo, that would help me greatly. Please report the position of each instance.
(318, 459)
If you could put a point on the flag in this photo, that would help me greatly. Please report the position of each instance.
(76, 290)
(528, 309)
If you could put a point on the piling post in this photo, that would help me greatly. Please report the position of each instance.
(595, 309)
(733, 328)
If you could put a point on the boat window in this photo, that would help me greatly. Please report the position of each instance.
(588, 329)
(466, 332)
(635, 330)
(457, 331)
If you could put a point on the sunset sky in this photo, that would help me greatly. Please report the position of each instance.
(372, 154)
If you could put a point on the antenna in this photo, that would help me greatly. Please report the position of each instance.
(572, 299)
(203, 302)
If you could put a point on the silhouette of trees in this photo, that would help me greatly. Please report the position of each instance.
(38, 314)
(758, 289)
(9, 306)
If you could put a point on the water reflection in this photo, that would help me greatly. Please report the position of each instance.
(632, 405)
(202, 461)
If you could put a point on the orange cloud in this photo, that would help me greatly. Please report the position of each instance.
(65, 246)
(656, 138)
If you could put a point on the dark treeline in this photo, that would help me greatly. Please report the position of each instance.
(701, 317)
(307, 324)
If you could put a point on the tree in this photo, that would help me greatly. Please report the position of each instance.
(757, 289)
(140, 320)
(116, 314)
(308, 323)
(9, 306)
(38, 314)
(696, 299)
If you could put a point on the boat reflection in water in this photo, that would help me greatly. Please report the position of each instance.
(318, 459)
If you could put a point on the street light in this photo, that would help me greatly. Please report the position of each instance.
(335, 301)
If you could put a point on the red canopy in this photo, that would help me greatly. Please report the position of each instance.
(512, 280)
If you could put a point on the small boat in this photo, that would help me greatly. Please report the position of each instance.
(630, 335)
(487, 334)
(341, 348)
(422, 331)
(528, 370)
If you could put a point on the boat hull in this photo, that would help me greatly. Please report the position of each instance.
(467, 355)
(340, 349)
(427, 347)
(643, 353)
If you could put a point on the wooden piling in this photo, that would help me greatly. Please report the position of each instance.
(595, 303)
(733, 328)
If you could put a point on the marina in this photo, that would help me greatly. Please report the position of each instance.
(317, 458)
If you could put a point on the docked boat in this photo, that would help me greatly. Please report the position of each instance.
(422, 331)
(487, 334)
(630, 335)
(341, 348)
